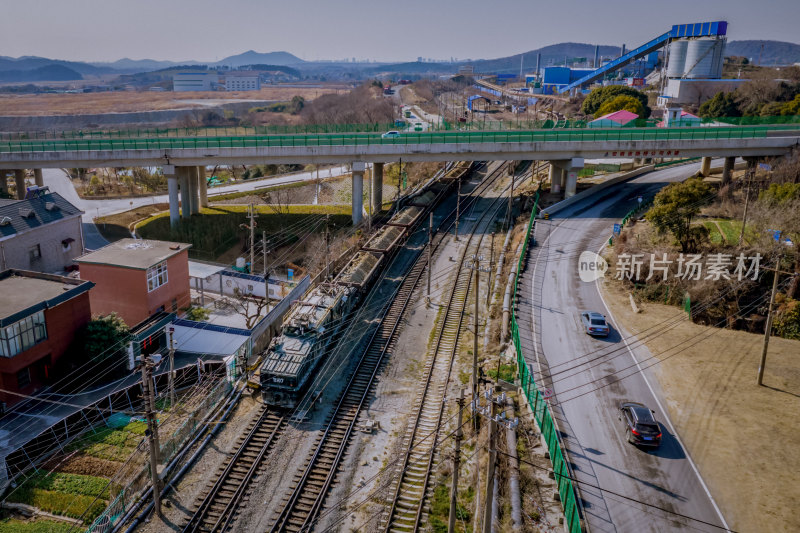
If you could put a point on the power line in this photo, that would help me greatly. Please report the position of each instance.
(617, 494)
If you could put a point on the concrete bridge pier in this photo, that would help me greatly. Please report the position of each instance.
(705, 167)
(37, 176)
(727, 170)
(555, 176)
(186, 203)
(19, 178)
(172, 188)
(358, 191)
(201, 175)
(572, 168)
(194, 188)
(376, 201)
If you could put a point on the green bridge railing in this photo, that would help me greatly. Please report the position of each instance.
(372, 139)
(539, 407)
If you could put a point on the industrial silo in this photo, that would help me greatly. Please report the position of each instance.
(700, 59)
(677, 58)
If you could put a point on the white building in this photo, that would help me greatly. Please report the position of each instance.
(194, 81)
(242, 82)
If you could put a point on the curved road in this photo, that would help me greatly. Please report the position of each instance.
(589, 377)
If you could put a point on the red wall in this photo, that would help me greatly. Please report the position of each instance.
(63, 321)
(124, 290)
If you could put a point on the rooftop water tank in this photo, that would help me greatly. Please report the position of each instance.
(677, 58)
(700, 55)
(240, 262)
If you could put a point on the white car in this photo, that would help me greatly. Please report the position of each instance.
(391, 134)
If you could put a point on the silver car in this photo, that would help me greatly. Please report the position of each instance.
(594, 323)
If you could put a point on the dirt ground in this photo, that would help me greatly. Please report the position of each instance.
(126, 102)
(742, 436)
(179, 502)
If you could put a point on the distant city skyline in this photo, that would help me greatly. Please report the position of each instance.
(207, 31)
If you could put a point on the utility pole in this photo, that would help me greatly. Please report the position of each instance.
(430, 246)
(147, 363)
(768, 330)
(489, 411)
(327, 248)
(750, 172)
(489, 279)
(487, 511)
(476, 259)
(264, 251)
(510, 196)
(251, 214)
(475, 339)
(451, 526)
(171, 368)
(399, 184)
(458, 206)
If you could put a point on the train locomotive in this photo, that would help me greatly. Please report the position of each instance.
(314, 324)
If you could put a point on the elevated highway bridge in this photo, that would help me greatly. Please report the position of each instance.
(181, 157)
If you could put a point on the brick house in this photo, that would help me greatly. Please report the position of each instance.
(39, 316)
(138, 278)
(42, 233)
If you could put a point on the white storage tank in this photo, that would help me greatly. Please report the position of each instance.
(240, 262)
(677, 58)
(700, 55)
(719, 59)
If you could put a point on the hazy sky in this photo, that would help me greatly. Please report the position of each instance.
(209, 30)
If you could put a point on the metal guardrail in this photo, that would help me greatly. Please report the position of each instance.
(539, 407)
(362, 139)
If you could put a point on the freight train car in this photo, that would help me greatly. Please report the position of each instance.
(316, 323)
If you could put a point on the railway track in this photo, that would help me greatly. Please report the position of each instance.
(216, 510)
(300, 508)
(422, 437)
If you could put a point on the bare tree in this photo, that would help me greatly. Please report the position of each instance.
(250, 307)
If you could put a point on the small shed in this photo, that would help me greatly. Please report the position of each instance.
(675, 117)
(617, 119)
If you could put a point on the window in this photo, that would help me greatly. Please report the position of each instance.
(23, 378)
(22, 335)
(156, 276)
(35, 252)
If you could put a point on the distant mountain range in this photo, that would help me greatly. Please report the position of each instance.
(32, 68)
(774, 52)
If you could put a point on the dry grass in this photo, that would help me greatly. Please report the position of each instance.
(122, 102)
(743, 437)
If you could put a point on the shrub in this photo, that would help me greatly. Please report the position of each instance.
(787, 319)
(618, 103)
(601, 95)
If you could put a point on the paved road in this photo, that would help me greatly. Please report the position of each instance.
(586, 396)
(57, 181)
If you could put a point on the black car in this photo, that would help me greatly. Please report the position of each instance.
(641, 426)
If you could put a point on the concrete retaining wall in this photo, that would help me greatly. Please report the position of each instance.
(597, 188)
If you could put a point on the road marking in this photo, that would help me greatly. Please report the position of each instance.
(660, 407)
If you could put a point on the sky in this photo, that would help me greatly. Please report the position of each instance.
(210, 30)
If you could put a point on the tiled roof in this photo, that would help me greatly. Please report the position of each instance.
(17, 216)
(623, 116)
